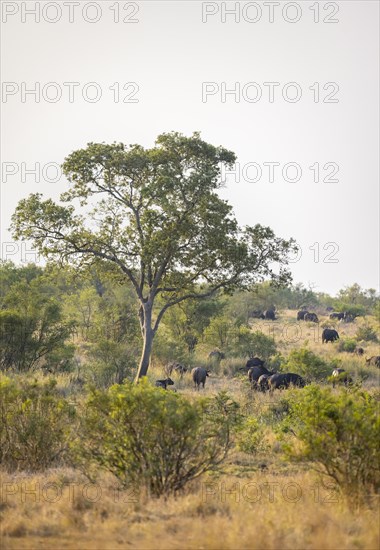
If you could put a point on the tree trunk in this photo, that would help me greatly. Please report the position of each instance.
(148, 335)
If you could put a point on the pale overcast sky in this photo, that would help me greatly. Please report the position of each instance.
(328, 118)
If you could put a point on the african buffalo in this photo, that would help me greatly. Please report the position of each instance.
(199, 375)
(270, 314)
(336, 315)
(348, 318)
(329, 335)
(312, 317)
(256, 314)
(282, 381)
(177, 367)
(254, 362)
(374, 360)
(216, 354)
(340, 375)
(359, 351)
(262, 383)
(164, 383)
(254, 374)
(301, 315)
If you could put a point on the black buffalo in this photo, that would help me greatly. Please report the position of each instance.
(329, 335)
(254, 374)
(336, 315)
(254, 362)
(301, 315)
(199, 375)
(283, 381)
(312, 317)
(374, 360)
(164, 383)
(270, 314)
(262, 383)
(256, 314)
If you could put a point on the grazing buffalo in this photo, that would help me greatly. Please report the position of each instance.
(301, 315)
(164, 383)
(216, 354)
(340, 375)
(329, 335)
(254, 362)
(256, 314)
(270, 314)
(374, 360)
(312, 317)
(254, 374)
(177, 367)
(348, 318)
(283, 381)
(336, 315)
(262, 383)
(199, 375)
(359, 351)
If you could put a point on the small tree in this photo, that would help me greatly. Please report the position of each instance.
(339, 434)
(154, 439)
(35, 425)
(156, 216)
(306, 363)
(256, 343)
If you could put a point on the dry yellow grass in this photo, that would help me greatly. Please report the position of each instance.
(259, 511)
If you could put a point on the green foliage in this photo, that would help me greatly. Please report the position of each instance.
(31, 329)
(110, 363)
(348, 345)
(35, 425)
(306, 363)
(250, 438)
(366, 333)
(338, 432)
(251, 344)
(154, 439)
(221, 333)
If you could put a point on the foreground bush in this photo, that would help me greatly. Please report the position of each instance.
(339, 433)
(35, 425)
(154, 439)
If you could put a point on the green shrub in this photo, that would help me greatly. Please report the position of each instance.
(35, 425)
(339, 433)
(154, 439)
(250, 437)
(110, 363)
(251, 344)
(366, 333)
(306, 363)
(347, 345)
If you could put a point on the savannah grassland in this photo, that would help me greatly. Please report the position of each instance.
(259, 500)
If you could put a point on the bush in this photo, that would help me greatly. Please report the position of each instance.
(306, 363)
(251, 437)
(110, 363)
(35, 425)
(366, 333)
(339, 433)
(348, 345)
(250, 344)
(154, 439)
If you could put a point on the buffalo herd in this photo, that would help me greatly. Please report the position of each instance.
(259, 376)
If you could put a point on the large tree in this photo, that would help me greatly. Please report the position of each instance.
(156, 215)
